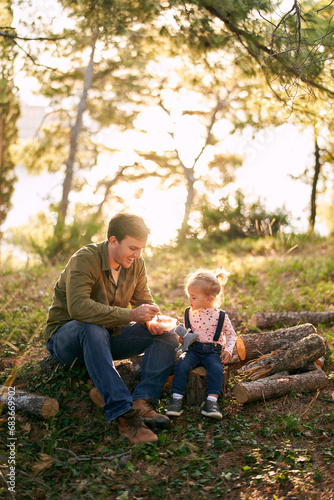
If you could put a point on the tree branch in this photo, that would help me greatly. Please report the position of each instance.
(14, 36)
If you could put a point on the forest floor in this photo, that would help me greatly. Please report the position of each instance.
(275, 449)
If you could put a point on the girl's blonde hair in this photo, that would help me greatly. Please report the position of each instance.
(210, 283)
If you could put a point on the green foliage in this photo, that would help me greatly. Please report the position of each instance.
(48, 150)
(38, 237)
(9, 113)
(239, 219)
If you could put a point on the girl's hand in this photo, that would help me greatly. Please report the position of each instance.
(226, 356)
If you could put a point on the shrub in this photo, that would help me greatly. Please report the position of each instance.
(240, 219)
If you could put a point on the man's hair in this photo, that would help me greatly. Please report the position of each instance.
(122, 225)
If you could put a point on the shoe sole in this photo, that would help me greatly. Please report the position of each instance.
(172, 413)
(154, 423)
(217, 416)
(128, 440)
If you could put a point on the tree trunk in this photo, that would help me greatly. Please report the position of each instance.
(267, 320)
(2, 180)
(290, 357)
(189, 173)
(316, 174)
(278, 385)
(33, 404)
(75, 131)
(254, 345)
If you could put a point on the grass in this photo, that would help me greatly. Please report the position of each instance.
(275, 449)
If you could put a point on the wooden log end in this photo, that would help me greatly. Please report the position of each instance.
(240, 393)
(320, 363)
(240, 345)
(200, 370)
(253, 320)
(49, 408)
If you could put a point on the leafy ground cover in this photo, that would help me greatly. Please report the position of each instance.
(279, 449)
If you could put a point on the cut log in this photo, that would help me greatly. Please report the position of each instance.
(278, 385)
(33, 404)
(268, 320)
(290, 357)
(254, 345)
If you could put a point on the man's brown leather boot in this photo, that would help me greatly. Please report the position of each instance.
(96, 397)
(149, 415)
(131, 427)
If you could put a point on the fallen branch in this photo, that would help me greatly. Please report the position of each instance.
(89, 458)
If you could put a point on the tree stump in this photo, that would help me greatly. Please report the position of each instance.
(41, 407)
(254, 345)
(196, 388)
(197, 385)
(268, 320)
(278, 385)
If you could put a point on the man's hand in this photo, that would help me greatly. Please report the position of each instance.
(143, 313)
(155, 329)
(226, 356)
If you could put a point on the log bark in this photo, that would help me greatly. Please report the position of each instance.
(196, 388)
(197, 385)
(290, 357)
(33, 404)
(278, 385)
(254, 345)
(268, 320)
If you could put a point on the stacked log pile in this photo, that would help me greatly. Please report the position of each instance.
(279, 362)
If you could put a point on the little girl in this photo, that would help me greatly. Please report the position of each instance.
(213, 346)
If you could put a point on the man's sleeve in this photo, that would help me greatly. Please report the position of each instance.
(79, 284)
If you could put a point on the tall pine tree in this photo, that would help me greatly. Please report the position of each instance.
(9, 113)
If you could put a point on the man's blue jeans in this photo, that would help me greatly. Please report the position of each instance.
(200, 354)
(94, 346)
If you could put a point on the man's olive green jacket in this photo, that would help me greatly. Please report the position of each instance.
(86, 291)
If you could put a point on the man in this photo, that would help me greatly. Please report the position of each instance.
(90, 322)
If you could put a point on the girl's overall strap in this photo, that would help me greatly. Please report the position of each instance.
(219, 326)
(186, 318)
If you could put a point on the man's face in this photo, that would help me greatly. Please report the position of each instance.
(125, 252)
